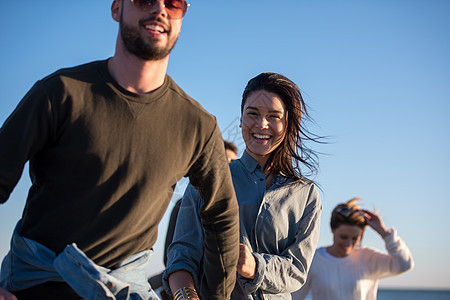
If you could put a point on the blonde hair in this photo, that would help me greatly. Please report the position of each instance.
(348, 213)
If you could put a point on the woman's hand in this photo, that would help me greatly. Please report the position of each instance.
(246, 264)
(5, 295)
(375, 221)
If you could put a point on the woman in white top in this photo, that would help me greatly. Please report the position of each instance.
(346, 270)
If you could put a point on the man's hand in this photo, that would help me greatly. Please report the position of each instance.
(246, 264)
(5, 295)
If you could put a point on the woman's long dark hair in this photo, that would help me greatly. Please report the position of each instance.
(287, 158)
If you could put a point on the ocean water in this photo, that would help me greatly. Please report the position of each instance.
(384, 294)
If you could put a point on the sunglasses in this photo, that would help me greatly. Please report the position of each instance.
(176, 9)
(346, 211)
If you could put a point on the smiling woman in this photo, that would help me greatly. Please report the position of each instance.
(345, 270)
(279, 208)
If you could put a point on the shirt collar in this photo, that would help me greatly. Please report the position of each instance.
(249, 162)
(251, 165)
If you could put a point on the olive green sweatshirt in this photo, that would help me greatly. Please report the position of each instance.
(104, 163)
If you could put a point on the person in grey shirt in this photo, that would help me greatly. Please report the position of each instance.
(279, 208)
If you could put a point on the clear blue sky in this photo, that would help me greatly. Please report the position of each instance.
(376, 75)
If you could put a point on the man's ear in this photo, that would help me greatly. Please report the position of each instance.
(115, 10)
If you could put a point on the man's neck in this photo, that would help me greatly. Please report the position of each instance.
(137, 75)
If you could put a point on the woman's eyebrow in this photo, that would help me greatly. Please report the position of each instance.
(276, 111)
(270, 111)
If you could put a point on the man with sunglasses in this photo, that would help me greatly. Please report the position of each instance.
(106, 142)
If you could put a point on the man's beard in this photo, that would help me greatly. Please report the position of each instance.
(145, 50)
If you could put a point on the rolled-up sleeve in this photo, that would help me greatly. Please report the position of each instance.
(186, 250)
(287, 271)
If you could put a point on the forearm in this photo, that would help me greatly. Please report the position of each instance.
(5, 295)
(180, 279)
(383, 231)
(284, 273)
(400, 255)
(186, 250)
(287, 271)
(277, 274)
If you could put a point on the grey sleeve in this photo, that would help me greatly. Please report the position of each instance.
(186, 250)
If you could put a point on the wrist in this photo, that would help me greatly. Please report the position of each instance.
(185, 293)
(385, 232)
(180, 279)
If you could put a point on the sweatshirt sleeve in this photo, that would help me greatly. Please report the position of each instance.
(22, 135)
(398, 259)
(210, 175)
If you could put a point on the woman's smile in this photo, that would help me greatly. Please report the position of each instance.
(263, 124)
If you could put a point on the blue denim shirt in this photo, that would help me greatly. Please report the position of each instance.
(29, 263)
(279, 225)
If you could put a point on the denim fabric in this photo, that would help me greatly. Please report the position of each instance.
(29, 263)
(280, 226)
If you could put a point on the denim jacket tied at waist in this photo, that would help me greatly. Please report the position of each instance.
(29, 263)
